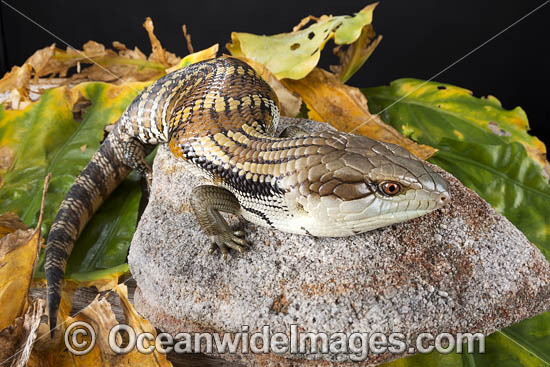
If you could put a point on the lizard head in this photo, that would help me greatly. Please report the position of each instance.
(362, 184)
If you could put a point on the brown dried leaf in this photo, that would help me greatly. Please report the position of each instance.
(304, 21)
(10, 340)
(10, 222)
(123, 51)
(17, 83)
(187, 39)
(61, 61)
(107, 65)
(345, 108)
(18, 79)
(352, 58)
(40, 59)
(93, 50)
(116, 73)
(17, 340)
(158, 54)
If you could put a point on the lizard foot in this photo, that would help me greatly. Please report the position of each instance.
(228, 239)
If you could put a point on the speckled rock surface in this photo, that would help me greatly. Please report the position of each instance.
(461, 268)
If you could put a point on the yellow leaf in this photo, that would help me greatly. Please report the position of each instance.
(345, 108)
(18, 251)
(205, 54)
(293, 55)
(18, 254)
(100, 279)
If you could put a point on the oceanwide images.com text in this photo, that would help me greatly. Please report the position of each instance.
(80, 338)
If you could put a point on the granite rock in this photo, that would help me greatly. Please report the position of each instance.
(461, 268)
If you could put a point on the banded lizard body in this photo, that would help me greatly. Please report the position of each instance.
(219, 117)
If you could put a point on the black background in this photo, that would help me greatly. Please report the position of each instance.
(421, 37)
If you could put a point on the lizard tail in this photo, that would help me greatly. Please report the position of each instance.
(94, 184)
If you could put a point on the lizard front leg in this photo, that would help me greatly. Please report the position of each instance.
(207, 202)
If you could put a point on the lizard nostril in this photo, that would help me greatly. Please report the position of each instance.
(444, 198)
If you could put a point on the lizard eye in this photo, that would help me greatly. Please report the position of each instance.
(390, 188)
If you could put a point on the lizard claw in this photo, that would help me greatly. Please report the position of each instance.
(226, 240)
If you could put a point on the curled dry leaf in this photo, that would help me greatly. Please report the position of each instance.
(345, 108)
(290, 101)
(139, 325)
(356, 54)
(187, 39)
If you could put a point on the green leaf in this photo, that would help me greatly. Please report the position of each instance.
(35, 136)
(430, 111)
(488, 149)
(46, 138)
(523, 344)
